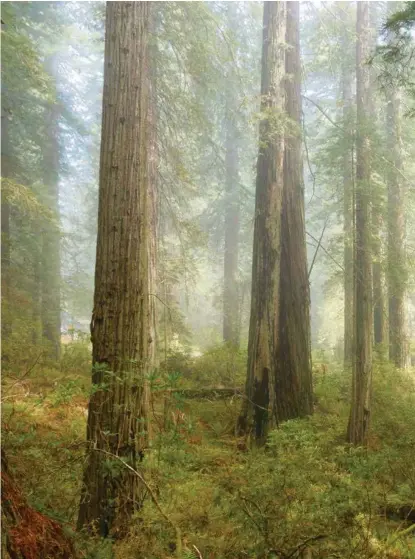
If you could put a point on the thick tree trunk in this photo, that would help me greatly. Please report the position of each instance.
(121, 322)
(50, 279)
(362, 374)
(259, 411)
(294, 392)
(396, 237)
(232, 212)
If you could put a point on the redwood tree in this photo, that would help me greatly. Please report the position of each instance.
(396, 236)
(121, 321)
(396, 271)
(363, 317)
(49, 269)
(260, 406)
(347, 164)
(232, 208)
(293, 358)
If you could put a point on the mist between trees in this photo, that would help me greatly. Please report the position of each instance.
(207, 265)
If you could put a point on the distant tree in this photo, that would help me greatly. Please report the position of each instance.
(293, 389)
(232, 206)
(348, 178)
(5, 226)
(49, 269)
(121, 329)
(362, 373)
(259, 410)
(396, 222)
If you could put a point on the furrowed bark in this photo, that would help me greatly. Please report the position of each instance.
(259, 411)
(294, 391)
(121, 326)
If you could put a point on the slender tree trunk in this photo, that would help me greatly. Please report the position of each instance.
(396, 272)
(50, 279)
(121, 321)
(230, 278)
(153, 158)
(232, 210)
(6, 326)
(362, 374)
(379, 315)
(348, 215)
(259, 411)
(294, 391)
(396, 236)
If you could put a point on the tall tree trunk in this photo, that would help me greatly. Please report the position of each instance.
(396, 236)
(294, 391)
(397, 274)
(362, 374)
(6, 325)
(232, 212)
(153, 158)
(348, 212)
(260, 407)
(121, 320)
(379, 315)
(50, 237)
(230, 277)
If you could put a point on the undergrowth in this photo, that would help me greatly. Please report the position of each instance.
(307, 489)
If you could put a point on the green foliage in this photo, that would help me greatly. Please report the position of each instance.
(307, 483)
(220, 365)
(76, 358)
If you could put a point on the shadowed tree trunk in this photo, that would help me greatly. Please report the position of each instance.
(49, 270)
(122, 333)
(232, 211)
(362, 373)
(294, 392)
(259, 411)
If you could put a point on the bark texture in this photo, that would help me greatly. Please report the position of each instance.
(121, 327)
(362, 373)
(259, 411)
(293, 357)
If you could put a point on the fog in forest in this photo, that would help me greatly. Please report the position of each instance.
(207, 253)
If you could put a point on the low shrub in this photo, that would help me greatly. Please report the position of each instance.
(220, 365)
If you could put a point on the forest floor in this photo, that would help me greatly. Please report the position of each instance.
(307, 490)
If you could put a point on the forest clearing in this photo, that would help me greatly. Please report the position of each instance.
(207, 280)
